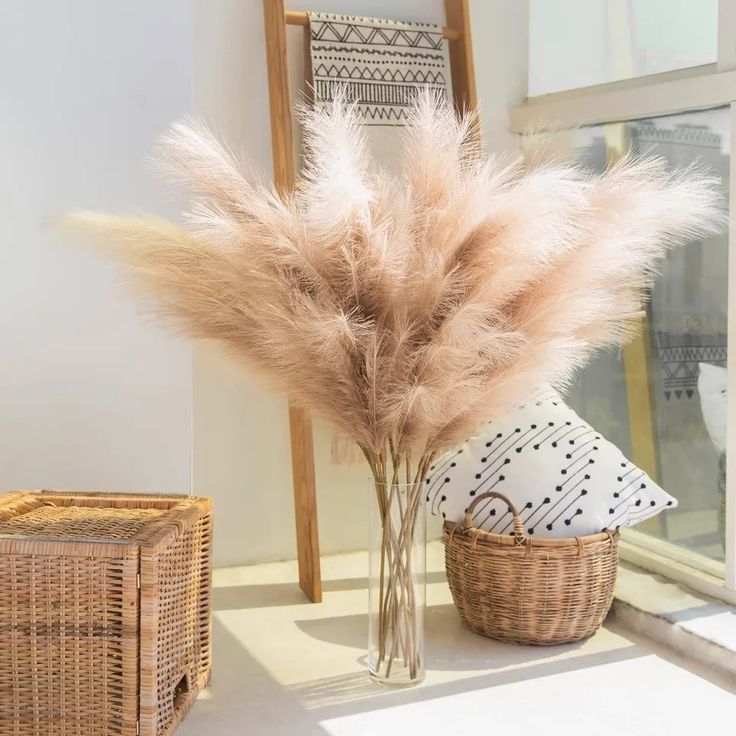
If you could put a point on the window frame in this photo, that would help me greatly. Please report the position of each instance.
(669, 93)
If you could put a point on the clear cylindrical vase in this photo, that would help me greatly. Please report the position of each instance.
(397, 583)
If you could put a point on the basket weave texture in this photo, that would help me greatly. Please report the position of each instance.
(529, 591)
(105, 608)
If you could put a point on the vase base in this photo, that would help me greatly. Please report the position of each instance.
(397, 680)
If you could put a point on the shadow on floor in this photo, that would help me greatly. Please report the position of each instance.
(244, 697)
(239, 681)
(241, 597)
(346, 695)
(450, 646)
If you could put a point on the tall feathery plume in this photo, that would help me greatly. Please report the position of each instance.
(407, 310)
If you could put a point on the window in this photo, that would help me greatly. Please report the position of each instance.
(663, 398)
(578, 43)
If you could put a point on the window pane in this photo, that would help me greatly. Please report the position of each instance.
(577, 43)
(662, 399)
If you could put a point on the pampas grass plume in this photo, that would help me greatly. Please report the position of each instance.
(407, 310)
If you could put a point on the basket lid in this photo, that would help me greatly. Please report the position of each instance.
(66, 515)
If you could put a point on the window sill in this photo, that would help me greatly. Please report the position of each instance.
(701, 628)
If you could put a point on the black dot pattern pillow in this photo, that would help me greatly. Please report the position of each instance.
(565, 479)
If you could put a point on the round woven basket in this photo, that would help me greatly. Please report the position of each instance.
(529, 591)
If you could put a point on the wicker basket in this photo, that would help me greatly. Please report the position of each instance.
(545, 591)
(104, 612)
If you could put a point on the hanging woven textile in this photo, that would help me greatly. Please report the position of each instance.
(381, 64)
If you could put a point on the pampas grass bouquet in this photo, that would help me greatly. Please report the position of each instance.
(406, 310)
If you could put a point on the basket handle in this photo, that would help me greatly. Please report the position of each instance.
(519, 531)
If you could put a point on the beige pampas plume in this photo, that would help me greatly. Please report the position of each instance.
(406, 311)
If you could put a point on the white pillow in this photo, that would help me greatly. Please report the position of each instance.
(713, 391)
(563, 477)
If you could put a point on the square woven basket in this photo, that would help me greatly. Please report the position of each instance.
(105, 612)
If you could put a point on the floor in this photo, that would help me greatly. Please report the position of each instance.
(286, 667)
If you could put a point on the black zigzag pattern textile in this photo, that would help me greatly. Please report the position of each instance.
(380, 63)
(565, 479)
(680, 354)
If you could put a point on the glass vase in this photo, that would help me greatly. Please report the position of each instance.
(397, 583)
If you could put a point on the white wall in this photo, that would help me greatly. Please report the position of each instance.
(500, 46)
(91, 395)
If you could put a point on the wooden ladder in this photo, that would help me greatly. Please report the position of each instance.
(276, 18)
